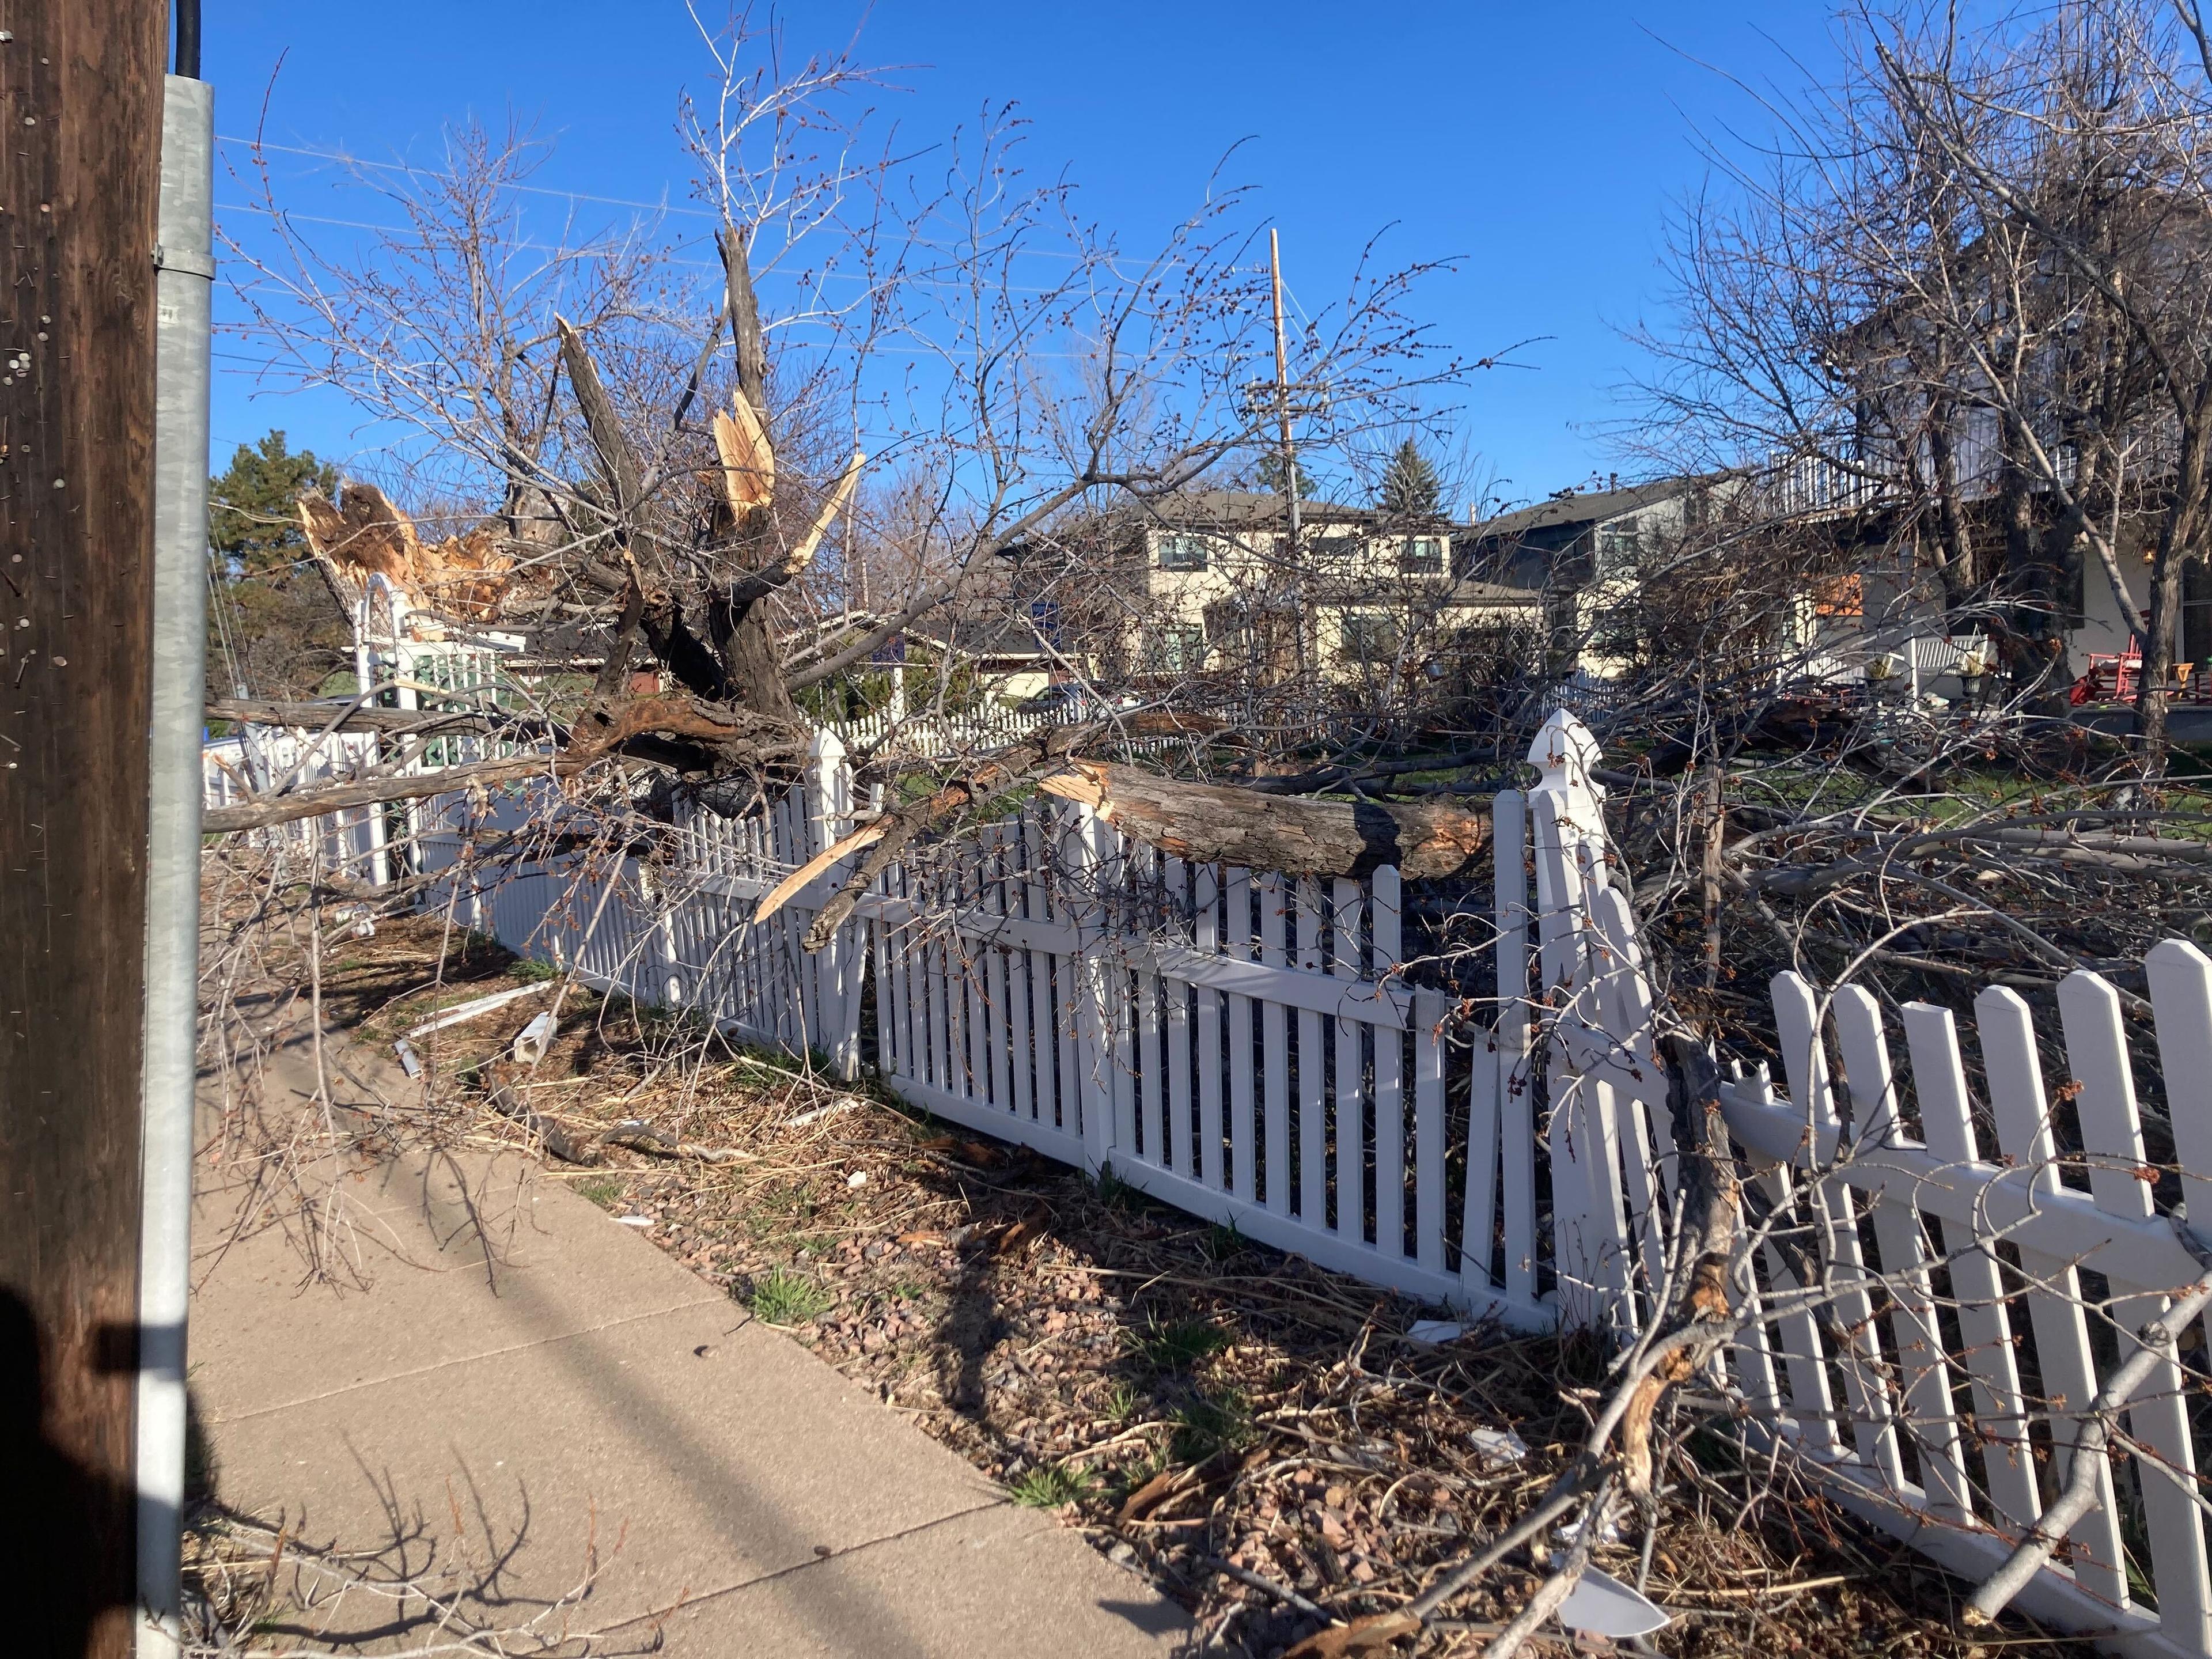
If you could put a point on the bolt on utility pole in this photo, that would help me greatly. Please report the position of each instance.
(81, 97)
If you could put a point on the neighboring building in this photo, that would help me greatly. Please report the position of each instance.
(1587, 553)
(1583, 553)
(1206, 583)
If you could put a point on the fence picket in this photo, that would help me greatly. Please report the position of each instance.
(2010, 1058)
(2158, 1418)
(1509, 1091)
(1244, 1133)
(1915, 1335)
(1177, 1152)
(1275, 1041)
(1313, 1127)
(1205, 937)
(1345, 906)
(1389, 1094)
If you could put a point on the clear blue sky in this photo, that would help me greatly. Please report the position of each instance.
(1544, 143)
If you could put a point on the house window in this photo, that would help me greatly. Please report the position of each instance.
(1422, 556)
(1182, 553)
(1174, 648)
(1617, 545)
(1370, 636)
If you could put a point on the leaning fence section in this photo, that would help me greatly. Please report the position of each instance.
(1961, 1273)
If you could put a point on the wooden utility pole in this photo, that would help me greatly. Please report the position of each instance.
(81, 101)
(1289, 450)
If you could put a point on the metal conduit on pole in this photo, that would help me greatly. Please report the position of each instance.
(184, 254)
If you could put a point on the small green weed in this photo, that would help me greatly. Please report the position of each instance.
(1121, 1402)
(783, 1298)
(1222, 1243)
(1051, 1484)
(1208, 1424)
(531, 971)
(1176, 1347)
(600, 1190)
(1116, 1193)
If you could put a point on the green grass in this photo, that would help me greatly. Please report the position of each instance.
(531, 971)
(1179, 1347)
(783, 1298)
(600, 1190)
(1209, 1424)
(1051, 1485)
(1222, 1243)
(1121, 1402)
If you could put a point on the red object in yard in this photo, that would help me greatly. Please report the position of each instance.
(2112, 677)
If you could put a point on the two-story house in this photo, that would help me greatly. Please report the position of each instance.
(1209, 582)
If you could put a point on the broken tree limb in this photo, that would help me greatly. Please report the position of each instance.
(749, 589)
(600, 420)
(2155, 1347)
(253, 711)
(781, 894)
(262, 811)
(1208, 823)
(1699, 1306)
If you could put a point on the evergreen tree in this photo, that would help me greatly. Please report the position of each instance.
(253, 521)
(274, 630)
(1269, 470)
(1411, 488)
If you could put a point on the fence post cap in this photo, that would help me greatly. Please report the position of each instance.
(1564, 751)
(827, 746)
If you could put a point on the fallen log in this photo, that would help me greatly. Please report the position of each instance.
(1208, 823)
(262, 811)
(412, 722)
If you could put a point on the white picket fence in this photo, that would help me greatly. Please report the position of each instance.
(925, 736)
(1243, 1045)
(251, 763)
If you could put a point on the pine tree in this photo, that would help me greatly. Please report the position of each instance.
(273, 627)
(1269, 470)
(1411, 488)
(254, 520)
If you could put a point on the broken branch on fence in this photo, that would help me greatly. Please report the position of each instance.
(261, 811)
(432, 722)
(2155, 1347)
(782, 893)
(1208, 823)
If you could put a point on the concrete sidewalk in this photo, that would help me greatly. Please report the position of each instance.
(498, 1420)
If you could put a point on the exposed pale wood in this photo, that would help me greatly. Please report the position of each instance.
(1208, 823)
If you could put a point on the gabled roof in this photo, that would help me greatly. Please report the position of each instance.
(1594, 507)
